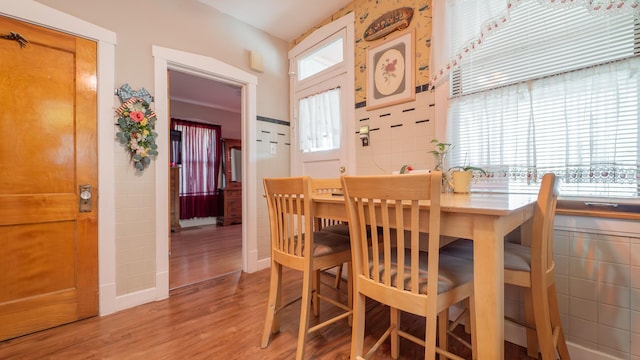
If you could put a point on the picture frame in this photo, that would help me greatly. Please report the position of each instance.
(391, 71)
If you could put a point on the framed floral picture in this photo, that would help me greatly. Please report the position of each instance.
(391, 72)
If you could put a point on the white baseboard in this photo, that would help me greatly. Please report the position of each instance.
(136, 298)
(264, 263)
(516, 334)
(186, 223)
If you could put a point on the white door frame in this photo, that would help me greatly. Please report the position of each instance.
(348, 92)
(165, 59)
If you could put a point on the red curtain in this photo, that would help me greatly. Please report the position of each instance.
(201, 153)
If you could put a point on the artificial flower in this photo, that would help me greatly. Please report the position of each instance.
(137, 124)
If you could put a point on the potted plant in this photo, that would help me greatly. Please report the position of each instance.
(461, 177)
(440, 153)
(457, 177)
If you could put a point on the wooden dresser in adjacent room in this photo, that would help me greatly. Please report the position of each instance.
(232, 192)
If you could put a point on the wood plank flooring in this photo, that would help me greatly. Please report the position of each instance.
(204, 252)
(220, 318)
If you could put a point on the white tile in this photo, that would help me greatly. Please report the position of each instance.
(635, 299)
(584, 330)
(561, 242)
(614, 251)
(584, 245)
(635, 322)
(562, 264)
(583, 269)
(562, 284)
(634, 273)
(615, 274)
(634, 253)
(583, 289)
(563, 304)
(583, 309)
(614, 295)
(613, 353)
(566, 324)
(614, 317)
(613, 338)
(635, 346)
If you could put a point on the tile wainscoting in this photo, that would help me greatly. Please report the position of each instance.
(598, 282)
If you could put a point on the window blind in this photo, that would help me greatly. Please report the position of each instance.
(554, 90)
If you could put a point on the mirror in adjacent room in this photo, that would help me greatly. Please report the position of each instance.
(232, 163)
(236, 164)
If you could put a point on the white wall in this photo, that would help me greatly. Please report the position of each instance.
(229, 121)
(188, 26)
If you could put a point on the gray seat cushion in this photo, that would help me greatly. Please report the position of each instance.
(339, 229)
(516, 257)
(325, 243)
(453, 271)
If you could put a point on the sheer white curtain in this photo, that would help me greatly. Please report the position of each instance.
(460, 26)
(582, 125)
(320, 121)
(554, 90)
(452, 40)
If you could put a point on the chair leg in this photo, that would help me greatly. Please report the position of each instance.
(272, 321)
(443, 327)
(315, 302)
(542, 321)
(472, 326)
(305, 307)
(467, 316)
(357, 328)
(338, 277)
(556, 323)
(430, 336)
(395, 338)
(532, 336)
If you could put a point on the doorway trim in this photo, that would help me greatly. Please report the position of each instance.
(170, 59)
(33, 12)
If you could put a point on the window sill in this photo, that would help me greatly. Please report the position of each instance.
(628, 209)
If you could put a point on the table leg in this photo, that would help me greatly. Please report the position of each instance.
(489, 287)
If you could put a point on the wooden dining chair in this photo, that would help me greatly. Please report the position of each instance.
(393, 270)
(532, 268)
(296, 245)
(330, 186)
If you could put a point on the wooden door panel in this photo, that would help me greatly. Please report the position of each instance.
(39, 260)
(48, 249)
(32, 147)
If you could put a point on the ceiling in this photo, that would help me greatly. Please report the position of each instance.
(197, 90)
(279, 18)
(284, 19)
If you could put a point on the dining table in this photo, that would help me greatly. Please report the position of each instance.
(485, 219)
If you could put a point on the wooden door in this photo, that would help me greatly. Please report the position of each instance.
(48, 248)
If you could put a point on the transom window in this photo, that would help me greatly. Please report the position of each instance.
(321, 59)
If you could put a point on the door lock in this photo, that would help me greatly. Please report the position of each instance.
(85, 198)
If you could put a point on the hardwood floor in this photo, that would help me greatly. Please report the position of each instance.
(204, 252)
(220, 318)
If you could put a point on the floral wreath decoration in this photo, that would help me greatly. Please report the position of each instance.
(137, 124)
